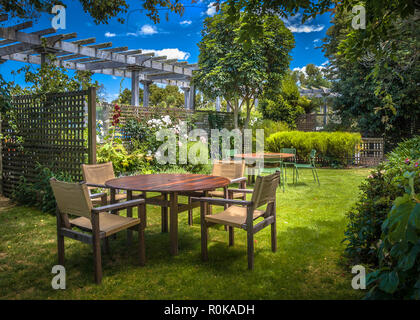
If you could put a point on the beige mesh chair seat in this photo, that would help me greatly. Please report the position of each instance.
(98, 223)
(233, 216)
(234, 171)
(108, 223)
(242, 214)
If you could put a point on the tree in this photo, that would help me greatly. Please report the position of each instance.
(228, 69)
(313, 77)
(378, 92)
(284, 103)
(100, 10)
(170, 95)
(380, 16)
(51, 78)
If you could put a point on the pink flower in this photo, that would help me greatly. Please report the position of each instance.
(416, 165)
(407, 161)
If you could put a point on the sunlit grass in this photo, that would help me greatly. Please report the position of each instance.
(308, 264)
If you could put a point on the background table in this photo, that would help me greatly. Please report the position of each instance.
(172, 185)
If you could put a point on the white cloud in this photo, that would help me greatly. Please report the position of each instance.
(317, 40)
(170, 53)
(185, 23)
(110, 34)
(305, 28)
(211, 9)
(147, 29)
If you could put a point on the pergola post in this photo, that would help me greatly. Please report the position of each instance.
(146, 84)
(217, 103)
(92, 125)
(135, 101)
(186, 97)
(192, 98)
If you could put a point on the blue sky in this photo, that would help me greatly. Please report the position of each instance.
(176, 38)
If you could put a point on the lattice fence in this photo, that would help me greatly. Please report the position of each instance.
(54, 132)
(202, 119)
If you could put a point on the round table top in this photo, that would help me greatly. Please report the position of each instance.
(168, 182)
(264, 155)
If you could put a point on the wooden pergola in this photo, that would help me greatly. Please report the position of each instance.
(102, 58)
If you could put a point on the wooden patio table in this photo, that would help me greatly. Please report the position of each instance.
(172, 185)
(261, 156)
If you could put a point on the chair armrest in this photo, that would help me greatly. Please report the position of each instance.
(119, 206)
(98, 195)
(97, 185)
(241, 190)
(222, 202)
(237, 180)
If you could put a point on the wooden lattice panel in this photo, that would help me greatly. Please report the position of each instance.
(54, 133)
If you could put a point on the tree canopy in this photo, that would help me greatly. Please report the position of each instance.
(377, 92)
(100, 10)
(229, 70)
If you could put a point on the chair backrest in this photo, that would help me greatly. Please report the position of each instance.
(312, 156)
(98, 173)
(288, 150)
(72, 198)
(229, 169)
(265, 190)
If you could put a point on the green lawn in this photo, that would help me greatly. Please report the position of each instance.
(308, 264)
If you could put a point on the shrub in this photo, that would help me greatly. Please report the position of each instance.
(363, 231)
(384, 227)
(333, 147)
(39, 194)
(398, 275)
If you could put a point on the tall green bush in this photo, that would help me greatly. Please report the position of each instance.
(384, 226)
(333, 147)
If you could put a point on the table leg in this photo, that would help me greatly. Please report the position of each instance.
(164, 214)
(129, 214)
(113, 191)
(144, 195)
(174, 222)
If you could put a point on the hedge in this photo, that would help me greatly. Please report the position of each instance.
(331, 147)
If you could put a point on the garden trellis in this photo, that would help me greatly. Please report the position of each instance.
(102, 58)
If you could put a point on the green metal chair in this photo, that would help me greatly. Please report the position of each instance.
(273, 165)
(310, 165)
(289, 163)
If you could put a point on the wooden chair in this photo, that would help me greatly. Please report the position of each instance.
(234, 171)
(96, 175)
(242, 214)
(74, 199)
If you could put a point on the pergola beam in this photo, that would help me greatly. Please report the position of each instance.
(77, 55)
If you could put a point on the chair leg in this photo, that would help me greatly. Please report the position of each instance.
(190, 213)
(316, 173)
(231, 237)
(250, 246)
(60, 245)
(313, 174)
(274, 236)
(204, 232)
(96, 243)
(142, 245)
